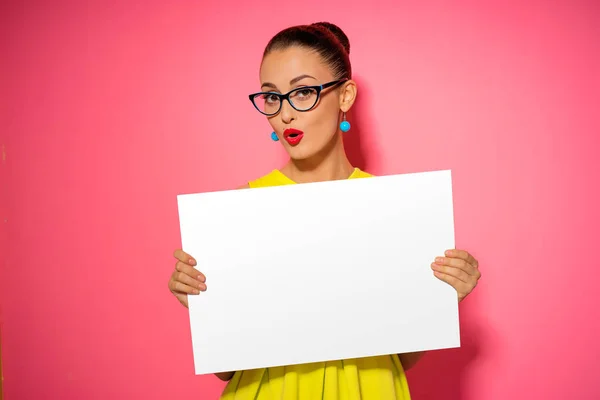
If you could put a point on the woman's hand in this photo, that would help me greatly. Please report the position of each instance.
(185, 279)
(459, 269)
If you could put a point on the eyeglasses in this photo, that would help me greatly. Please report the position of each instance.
(301, 99)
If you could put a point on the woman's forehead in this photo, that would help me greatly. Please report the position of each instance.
(282, 66)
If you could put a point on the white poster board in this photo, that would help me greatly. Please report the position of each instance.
(320, 271)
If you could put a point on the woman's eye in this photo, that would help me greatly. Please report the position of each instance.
(270, 98)
(305, 93)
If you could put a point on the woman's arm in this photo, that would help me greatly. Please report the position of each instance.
(459, 269)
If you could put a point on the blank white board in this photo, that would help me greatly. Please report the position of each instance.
(321, 271)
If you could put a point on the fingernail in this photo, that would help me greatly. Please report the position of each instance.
(439, 260)
(202, 286)
(192, 262)
(449, 253)
(201, 278)
(196, 291)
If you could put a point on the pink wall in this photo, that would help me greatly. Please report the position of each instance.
(111, 110)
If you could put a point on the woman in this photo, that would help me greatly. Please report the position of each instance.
(306, 92)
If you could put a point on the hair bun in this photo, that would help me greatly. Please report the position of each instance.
(337, 32)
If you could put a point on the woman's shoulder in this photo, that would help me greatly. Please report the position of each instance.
(273, 178)
(359, 173)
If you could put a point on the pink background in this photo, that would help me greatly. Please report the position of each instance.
(111, 109)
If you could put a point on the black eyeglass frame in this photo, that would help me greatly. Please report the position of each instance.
(286, 96)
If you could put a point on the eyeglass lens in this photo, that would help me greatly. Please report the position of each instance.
(302, 99)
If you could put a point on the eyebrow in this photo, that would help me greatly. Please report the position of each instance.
(293, 81)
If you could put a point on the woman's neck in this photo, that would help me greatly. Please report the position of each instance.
(331, 164)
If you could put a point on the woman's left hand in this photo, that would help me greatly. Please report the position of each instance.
(459, 269)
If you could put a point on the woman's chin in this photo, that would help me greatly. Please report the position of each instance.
(298, 153)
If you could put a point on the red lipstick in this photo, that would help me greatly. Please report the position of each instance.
(293, 136)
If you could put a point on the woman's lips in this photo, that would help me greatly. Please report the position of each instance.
(293, 136)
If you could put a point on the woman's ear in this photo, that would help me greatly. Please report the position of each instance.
(347, 95)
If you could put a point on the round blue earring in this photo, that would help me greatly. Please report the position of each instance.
(274, 137)
(344, 125)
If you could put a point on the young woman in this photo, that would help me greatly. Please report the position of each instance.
(306, 91)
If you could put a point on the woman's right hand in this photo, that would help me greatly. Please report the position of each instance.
(186, 279)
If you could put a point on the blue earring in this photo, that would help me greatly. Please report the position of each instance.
(344, 125)
(274, 137)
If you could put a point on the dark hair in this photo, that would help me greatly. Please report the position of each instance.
(327, 39)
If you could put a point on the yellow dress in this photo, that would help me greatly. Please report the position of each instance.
(371, 378)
